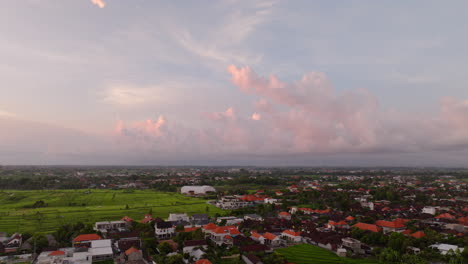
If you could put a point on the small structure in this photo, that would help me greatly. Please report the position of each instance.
(164, 230)
(197, 190)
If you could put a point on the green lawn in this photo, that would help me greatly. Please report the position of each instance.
(89, 206)
(305, 254)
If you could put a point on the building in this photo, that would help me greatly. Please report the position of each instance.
(164, 230)
(292, 236)
(284, 215)
(391, 226)
(85, 240)
(190, 245)
(197, 190)
(231, 202)
(444, 249)
(253, 217)
(101, 250)
(429, 210)
(368, 227)
(107, 226)
(10, 244)
(178, 217)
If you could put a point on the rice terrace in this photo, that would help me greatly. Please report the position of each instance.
(305, 254)
(47, 210)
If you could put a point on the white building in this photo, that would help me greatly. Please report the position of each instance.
(429, 210)
(197, 190)
(446, 248)
(164, 230)
(178, 217)
(231, 202)
(104, 226)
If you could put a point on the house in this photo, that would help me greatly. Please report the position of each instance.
(199, 219)
(368, 227)
(229, 220)
(85, 240)
(148, 218)
(292, 236)
(284, 215)
(418, 234)
(271, 240)
(197, 190)
(127, 219)
(444, 249)
(391, 226)
(271, 200)
(445, 216)
(197, 254)
(133, 254)
(223, 235)
(107, 226)
(178, 217)
(190, 245)
(101, 250)
(341, 252)
(429, 210)
(164, 230)
(12, 243)
(253, 217)
(251, 259)
(231, 202)
(352, 244)
(337, 225)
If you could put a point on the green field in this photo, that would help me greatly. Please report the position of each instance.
(89, 206)
(308, 254)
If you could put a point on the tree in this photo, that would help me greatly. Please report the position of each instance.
(275, 258)
(164, 248)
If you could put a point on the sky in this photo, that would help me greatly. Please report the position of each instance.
(266, 83)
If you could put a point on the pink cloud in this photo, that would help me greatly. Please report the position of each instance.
(99, 3)
(256, 116)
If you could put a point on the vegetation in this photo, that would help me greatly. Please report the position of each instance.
(305, 254)
(20, 211)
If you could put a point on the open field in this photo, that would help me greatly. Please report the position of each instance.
(89, 206)
(305, 254)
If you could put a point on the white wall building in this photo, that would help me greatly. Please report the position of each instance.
(197, 190)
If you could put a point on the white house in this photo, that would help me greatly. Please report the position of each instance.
(178, 217)
(197, 190)
(164, 230)
(445, 248)
(429, 210)
(292, 236)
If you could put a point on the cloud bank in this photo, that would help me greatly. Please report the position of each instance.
(99, 3)
(308, 116)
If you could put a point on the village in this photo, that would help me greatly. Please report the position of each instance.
(392, 219)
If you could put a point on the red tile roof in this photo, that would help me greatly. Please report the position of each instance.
(291, 232)
(284, 214)
(269, 236)
(86, 237)
(445, 216)
(418, 234)
(203, 261)
(210, 226)
(57, 253)
(368, 227)
(127, 219)
(349, 218)
(131, 250)
(389, 224)
(190, 229)
(406, 232)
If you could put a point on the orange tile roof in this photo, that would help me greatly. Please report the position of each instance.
(127, 219)
(203, 261)
(349, 218)
(269, 236)
(87, 237)
(389, 224)
(190, 229)
(291, 232)
(255, 235)
(210, 226)
(57, 253)
(368, 227)
(418, 234)
(406, 232)
(131, 250)
(284, 214)
(445, 216)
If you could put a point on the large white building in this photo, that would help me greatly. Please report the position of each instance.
(197, 190)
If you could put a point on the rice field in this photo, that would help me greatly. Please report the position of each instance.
(309, 254)
(69, 206)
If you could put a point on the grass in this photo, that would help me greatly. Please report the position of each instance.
(305, 254)
(89, 206)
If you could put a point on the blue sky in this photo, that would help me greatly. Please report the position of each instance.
(147, 82)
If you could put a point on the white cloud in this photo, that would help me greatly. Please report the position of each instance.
(132, 95)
